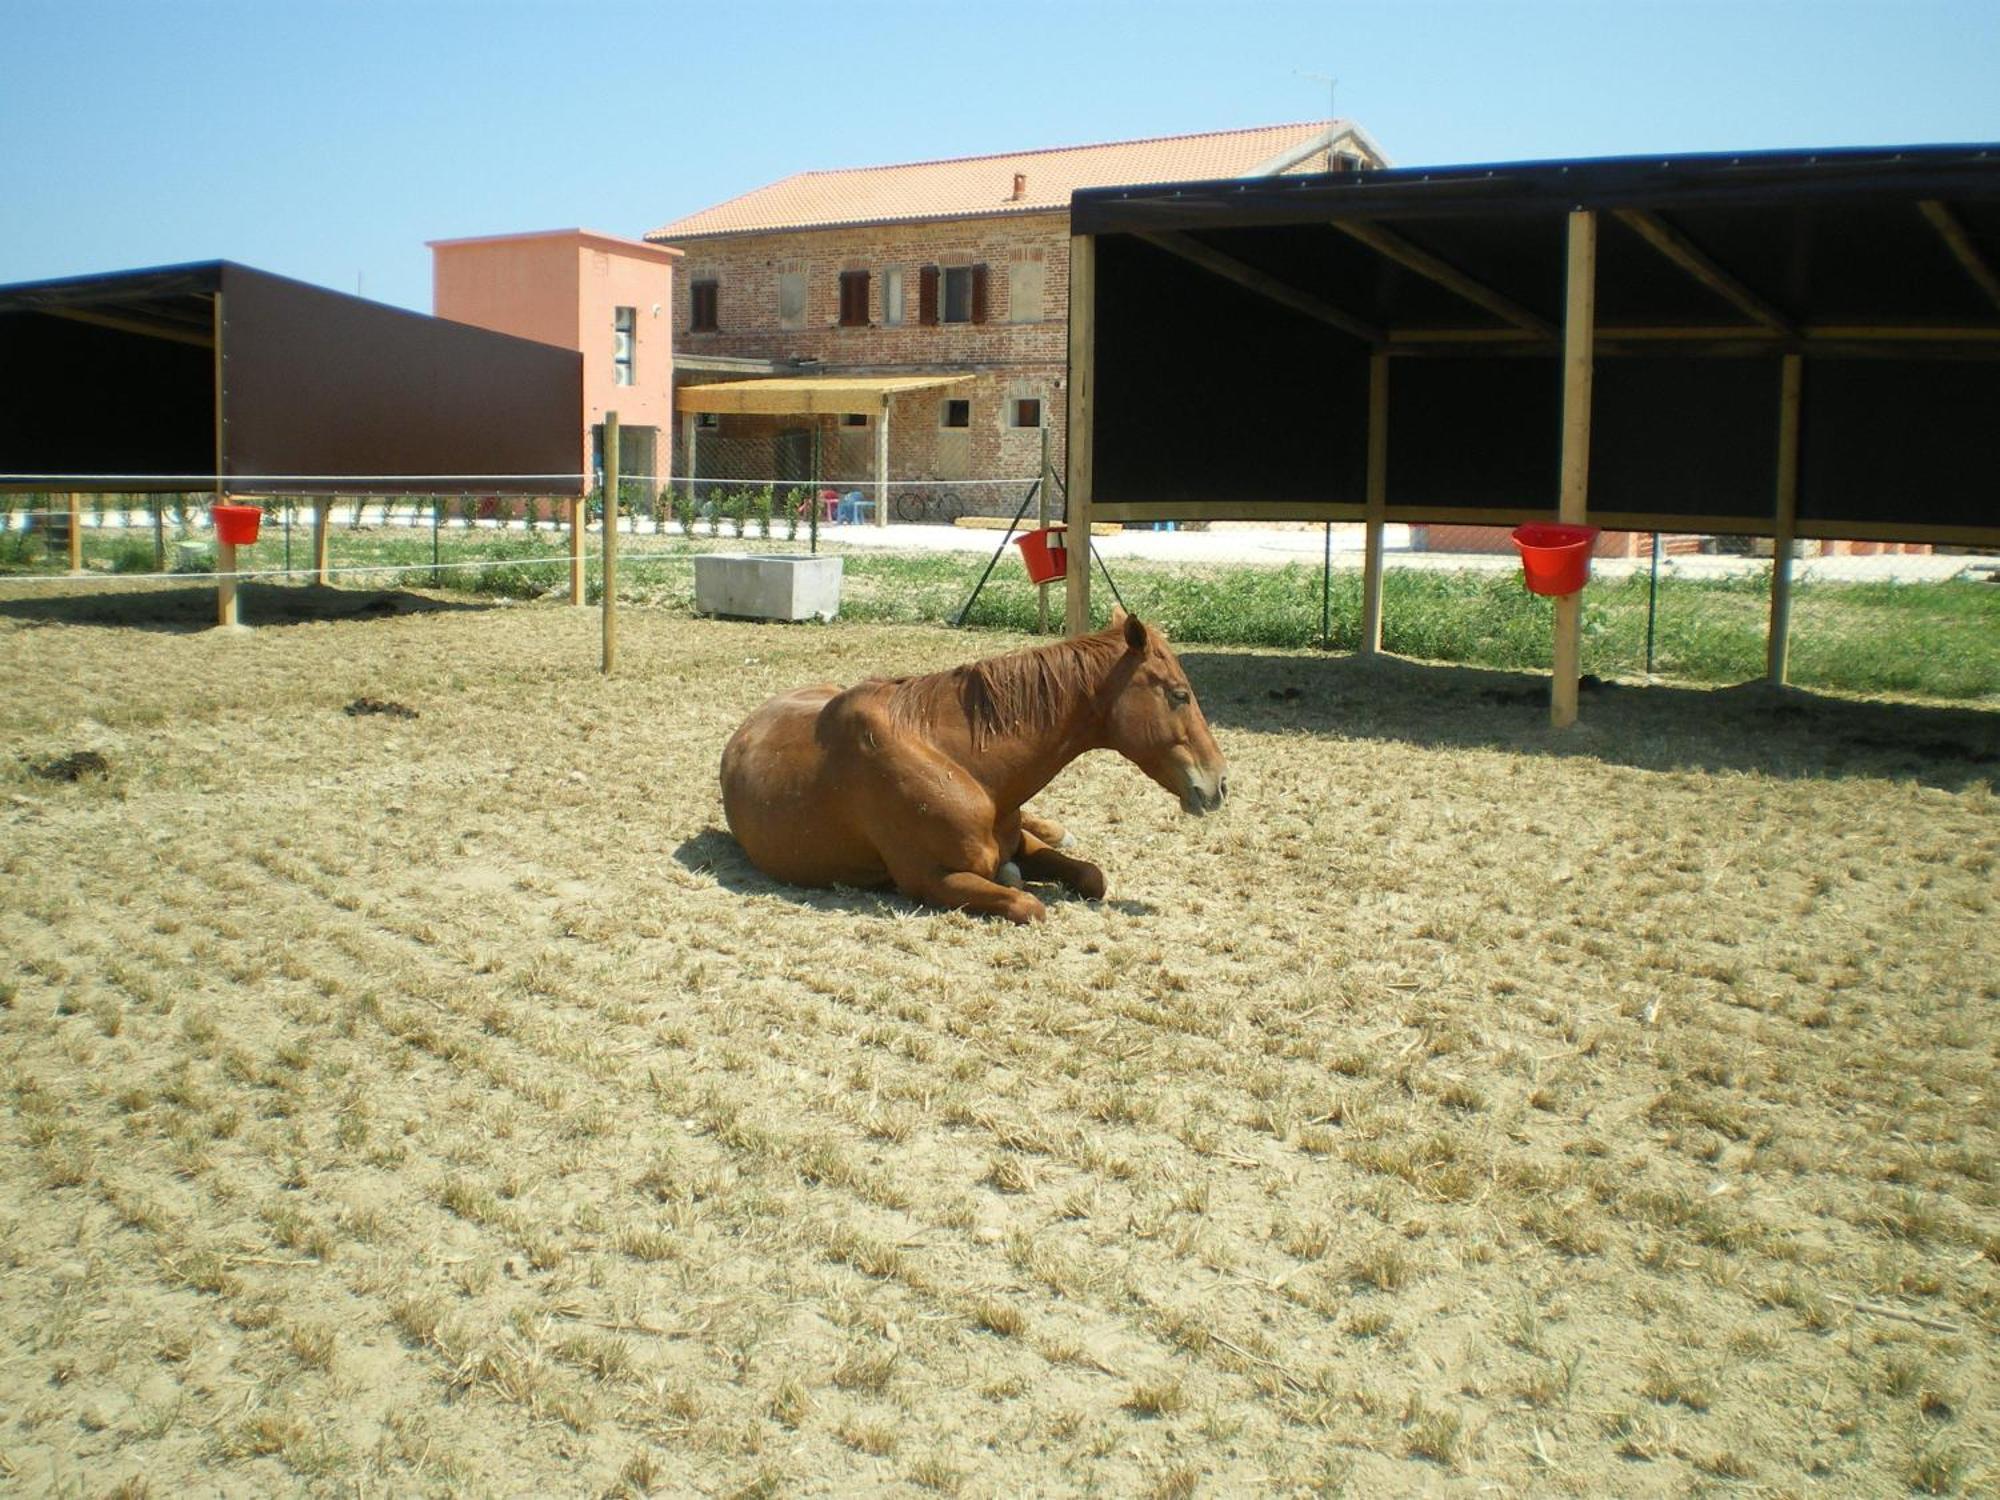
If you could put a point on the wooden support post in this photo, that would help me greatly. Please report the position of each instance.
(690, 445)
(1377, 501)
(1579, 334)
(576, 510)
(225, 552)
(1042, 523)
(1082, 385)
(1778, 647)
(610, 541)
(225, 583)
(881, 466)
(322, 524)
(1568, 658)
(76, 534)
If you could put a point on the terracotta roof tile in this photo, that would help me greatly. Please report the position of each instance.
(980, 185)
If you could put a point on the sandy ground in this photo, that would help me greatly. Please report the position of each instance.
(407, 1088)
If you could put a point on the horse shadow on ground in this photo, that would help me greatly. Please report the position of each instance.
(715, 854)
(1753, 727)
(185, 610)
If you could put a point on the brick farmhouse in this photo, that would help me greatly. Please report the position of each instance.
(953, 270)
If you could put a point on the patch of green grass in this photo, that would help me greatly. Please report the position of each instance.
(1923, 639)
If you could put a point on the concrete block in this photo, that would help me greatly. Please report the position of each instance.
(764, 586)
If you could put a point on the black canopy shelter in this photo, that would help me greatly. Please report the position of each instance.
(217, 377)
(1769, 344)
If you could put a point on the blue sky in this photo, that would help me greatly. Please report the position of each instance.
(330, 141)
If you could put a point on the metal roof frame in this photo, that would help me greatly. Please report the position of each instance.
(1876, 266)
(213, 376)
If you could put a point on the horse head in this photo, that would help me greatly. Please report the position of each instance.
(1152, 720)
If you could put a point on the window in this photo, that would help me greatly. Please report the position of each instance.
(854, 419)
(792, 299)
(952, 294)
(703, 319)
(955, 414)
(1024, 411)
(707, 421)
(958, 294)
(624, 333)
(853, 299)
(1024, 292)
(892, 297)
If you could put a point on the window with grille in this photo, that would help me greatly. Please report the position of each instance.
(953, 294)
(624, 334)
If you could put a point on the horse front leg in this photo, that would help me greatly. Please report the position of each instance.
(962, 890)
(1036, 860)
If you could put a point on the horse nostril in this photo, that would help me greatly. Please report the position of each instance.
(1222, 787)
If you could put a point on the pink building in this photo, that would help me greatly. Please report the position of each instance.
(610, 298)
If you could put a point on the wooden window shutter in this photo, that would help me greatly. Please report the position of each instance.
(927, 295)
(979, 294)
(853, 299)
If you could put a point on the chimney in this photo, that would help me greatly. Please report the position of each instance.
(1020, 187)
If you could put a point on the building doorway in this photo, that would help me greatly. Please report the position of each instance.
(792, 456)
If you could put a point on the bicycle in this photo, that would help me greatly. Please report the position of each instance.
(942, 506)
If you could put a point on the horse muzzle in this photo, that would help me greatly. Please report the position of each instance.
(1202, 791)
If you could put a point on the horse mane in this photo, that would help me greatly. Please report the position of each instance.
(1028, 691)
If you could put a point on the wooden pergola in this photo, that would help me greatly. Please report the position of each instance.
(810, 395)
(1773, 344)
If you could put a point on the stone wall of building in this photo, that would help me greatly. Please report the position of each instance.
(1017, 353)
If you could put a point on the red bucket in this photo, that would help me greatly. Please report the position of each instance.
(1555, 559)
(1044, 553)
(236, 524)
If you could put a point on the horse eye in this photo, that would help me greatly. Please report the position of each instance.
(1179, 697)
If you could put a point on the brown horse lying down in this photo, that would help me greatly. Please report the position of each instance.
(919, 781)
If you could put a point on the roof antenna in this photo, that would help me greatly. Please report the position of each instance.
(1331, 84)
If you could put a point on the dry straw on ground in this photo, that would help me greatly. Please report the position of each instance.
(439, 1105)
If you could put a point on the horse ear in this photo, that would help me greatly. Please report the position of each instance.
(1135, 632)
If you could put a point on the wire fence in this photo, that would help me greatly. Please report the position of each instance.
(1697, 611)
(481, 541)
(844, 459)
